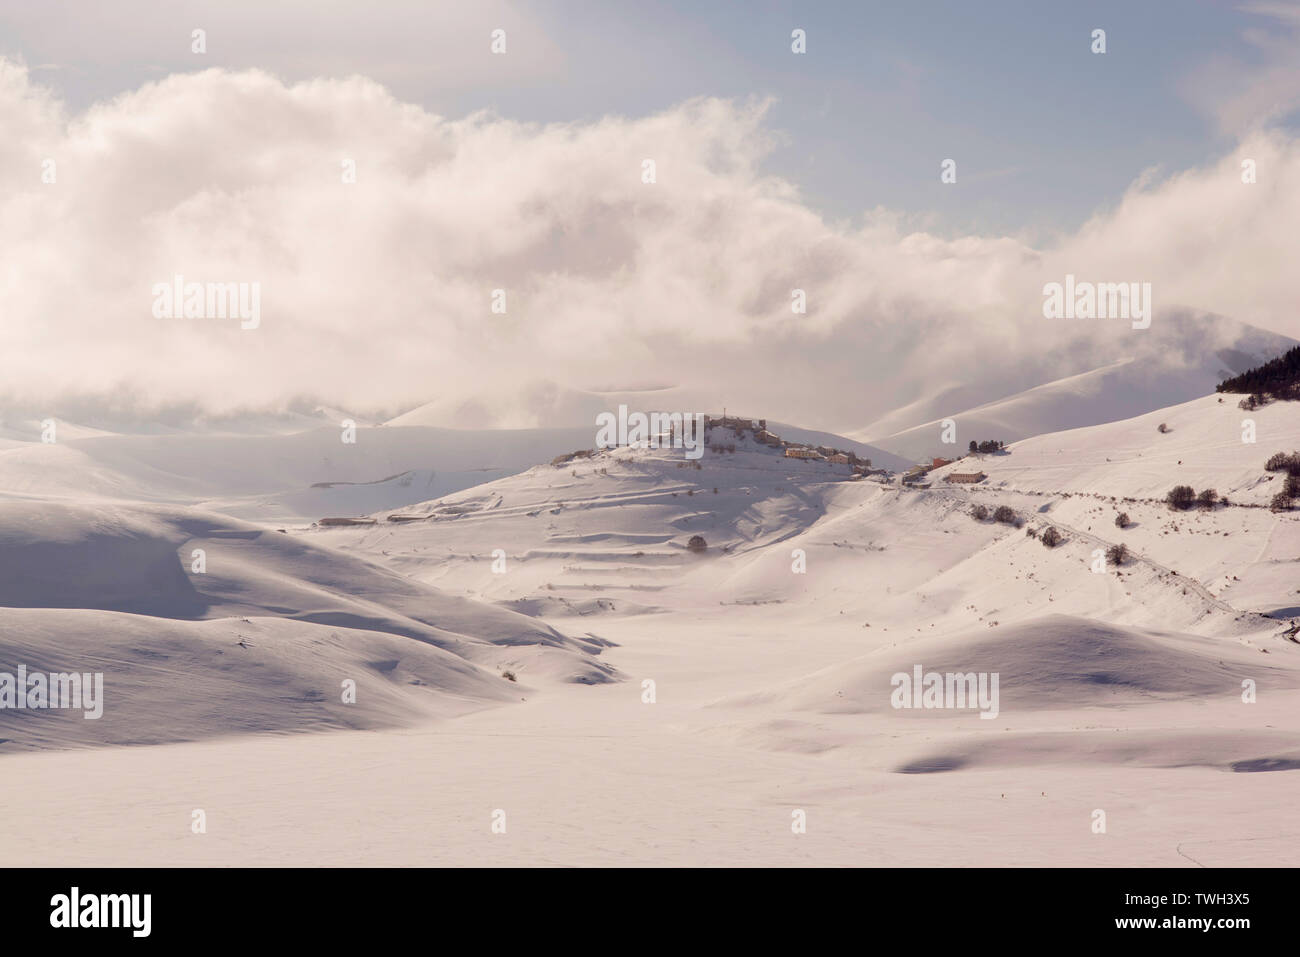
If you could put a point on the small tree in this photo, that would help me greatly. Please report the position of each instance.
(1162, 428)
(1117, 554)
(1122, 520)
(1281, 502)
(697, 543)
(1051, 537)
(974, 447)
(1181, 497)
(1005, 514)
(979, 513)
(1207, 499)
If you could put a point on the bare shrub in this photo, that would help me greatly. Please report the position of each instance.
(1006, 515)
(1181, 497)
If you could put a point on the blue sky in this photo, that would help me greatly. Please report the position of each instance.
(479, 171)
(1044, 132)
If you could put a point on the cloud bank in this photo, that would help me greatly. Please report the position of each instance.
(378, 294)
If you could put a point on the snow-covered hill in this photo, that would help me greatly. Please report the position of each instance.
(276, 478)
(617, 525)
(206, 626)
(682, 699)
(1208, 442)
(1193, 356)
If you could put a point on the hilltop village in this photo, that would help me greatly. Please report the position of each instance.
(756, 429)
(914, 477)
(721, 433)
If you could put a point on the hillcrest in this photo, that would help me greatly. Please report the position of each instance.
(646, 430)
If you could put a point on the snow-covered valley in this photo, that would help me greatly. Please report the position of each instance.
(551, 645)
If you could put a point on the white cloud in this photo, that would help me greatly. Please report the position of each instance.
(1249, 92)
(378, 294)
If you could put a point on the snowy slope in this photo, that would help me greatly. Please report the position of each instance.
(1190, 358)
(168, 679)
(277, 478)
(1100, 395)
(616, 526)
(116, 589)
(1202, 447)
(768, 654)
(1049, 663)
